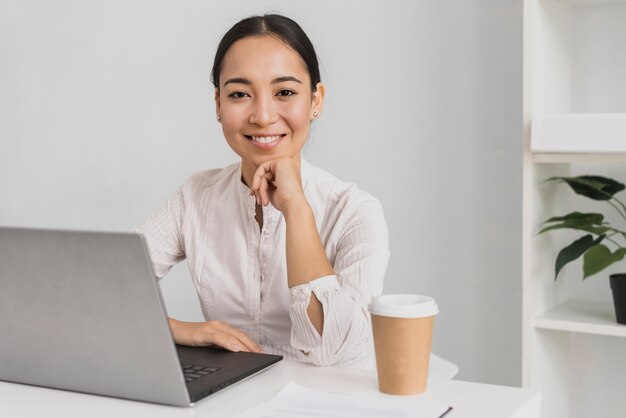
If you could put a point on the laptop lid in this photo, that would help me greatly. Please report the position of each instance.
(82, 311)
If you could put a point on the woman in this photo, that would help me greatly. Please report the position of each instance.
(284, 256)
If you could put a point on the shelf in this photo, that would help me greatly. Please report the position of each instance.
(583, 317)
(582, 158)
(587, 133)
(592, 2)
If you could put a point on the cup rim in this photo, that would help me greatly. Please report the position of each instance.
(403, 306)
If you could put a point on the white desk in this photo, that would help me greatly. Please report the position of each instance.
(468, 399)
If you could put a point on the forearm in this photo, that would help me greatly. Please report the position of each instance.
(306, 258)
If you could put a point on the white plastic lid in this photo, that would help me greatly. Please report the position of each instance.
(403, 306)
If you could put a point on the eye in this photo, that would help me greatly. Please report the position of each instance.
(238, 94)
(286, 93)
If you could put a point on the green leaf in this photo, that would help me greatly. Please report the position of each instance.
(575, 250)
(588, 222)
(597, 230)
(590, 218)
(600, 257)
(593, 187)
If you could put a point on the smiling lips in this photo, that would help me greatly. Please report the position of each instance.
(265, 141)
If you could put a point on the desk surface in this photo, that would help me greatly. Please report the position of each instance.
(468, 399)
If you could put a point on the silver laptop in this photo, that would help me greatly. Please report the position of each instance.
(82, 311)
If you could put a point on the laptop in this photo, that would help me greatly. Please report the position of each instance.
(82, 311)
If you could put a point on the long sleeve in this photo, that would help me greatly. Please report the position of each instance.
(162, 232)
(359, 265)
(240, 275)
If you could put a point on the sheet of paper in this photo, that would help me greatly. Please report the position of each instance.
(298, 401)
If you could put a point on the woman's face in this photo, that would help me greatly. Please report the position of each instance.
(265, 101)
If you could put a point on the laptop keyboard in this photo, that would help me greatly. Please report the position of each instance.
(192, 372)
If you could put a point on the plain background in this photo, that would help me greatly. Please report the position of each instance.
(106, 107)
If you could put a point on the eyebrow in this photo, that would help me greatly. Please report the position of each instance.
(278, 80)
(285, 78)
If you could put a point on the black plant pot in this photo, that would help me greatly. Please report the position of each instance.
(618, 286)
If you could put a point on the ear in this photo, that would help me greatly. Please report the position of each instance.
(318, 100)
(217, 101)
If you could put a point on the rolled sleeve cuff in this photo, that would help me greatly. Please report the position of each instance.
(304, 335)
(319, 286)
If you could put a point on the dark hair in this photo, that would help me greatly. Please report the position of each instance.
(276, 25)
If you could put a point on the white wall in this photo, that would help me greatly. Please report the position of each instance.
(106, 107)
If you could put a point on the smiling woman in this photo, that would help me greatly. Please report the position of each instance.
(265, 104)
(284, 256)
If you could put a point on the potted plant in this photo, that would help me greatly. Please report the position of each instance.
(600, 245)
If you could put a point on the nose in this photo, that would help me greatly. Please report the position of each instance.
(263, 111)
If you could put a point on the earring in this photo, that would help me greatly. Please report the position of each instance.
(315, 114)
(219, 119)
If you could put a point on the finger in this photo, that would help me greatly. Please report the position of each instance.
(263, 176)
(269, 185)
(241, 336)
(264, 190)
(246, 340)
(264, 196)
(266, 170)
(228, 341)
(258, 175)
(217, 333)
(268, 176)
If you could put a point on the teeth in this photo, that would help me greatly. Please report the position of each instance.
(265, 139)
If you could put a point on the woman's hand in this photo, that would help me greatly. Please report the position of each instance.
(278, 181)
(218, 333)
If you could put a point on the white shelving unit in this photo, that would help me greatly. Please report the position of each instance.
(571, 133)
(582, 316)
(574, 123)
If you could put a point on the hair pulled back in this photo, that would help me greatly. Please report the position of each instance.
(275, 25)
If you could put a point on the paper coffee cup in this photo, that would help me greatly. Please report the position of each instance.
(403, 329)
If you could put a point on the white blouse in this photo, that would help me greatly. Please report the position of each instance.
(240, 271)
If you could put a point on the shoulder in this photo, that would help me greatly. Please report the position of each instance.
(208, 180)
(339, 194)
(345, 213)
